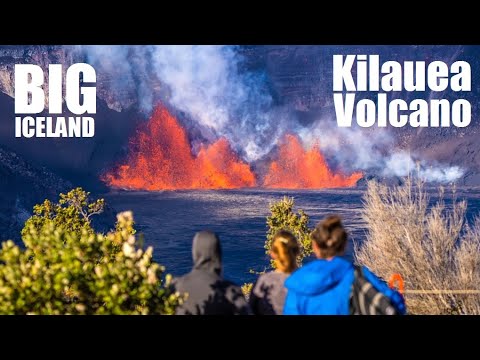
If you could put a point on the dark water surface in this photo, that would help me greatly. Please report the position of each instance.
(170, 219)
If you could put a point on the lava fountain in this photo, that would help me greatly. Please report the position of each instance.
(297, 168)
(160, 158)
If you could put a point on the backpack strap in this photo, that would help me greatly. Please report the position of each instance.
(365, 299)
(354, 293)
(358, 271)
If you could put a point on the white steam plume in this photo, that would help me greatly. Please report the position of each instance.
(210, 85)
(402, 164)
(205, 82)
(370, 150)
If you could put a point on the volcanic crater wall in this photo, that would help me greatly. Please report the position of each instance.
(298, 77)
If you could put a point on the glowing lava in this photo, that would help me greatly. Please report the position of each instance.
(297, 168)
(160, 158)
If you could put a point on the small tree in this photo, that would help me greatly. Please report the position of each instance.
(283, 217)
(73, 213)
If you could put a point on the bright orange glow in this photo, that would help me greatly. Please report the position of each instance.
(160, 158)
(397, 278)
(297, 168)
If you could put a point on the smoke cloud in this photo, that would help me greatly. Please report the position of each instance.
(370, 149)
(402, 164)
(212, 86)
(204, 82)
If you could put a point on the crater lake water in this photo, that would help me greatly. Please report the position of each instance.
(169, 220)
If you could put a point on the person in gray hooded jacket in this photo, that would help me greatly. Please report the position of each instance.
(207, 292)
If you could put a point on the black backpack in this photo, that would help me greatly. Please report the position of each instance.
(366, 300)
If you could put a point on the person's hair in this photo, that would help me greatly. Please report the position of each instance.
(330, 236)
(285, 247)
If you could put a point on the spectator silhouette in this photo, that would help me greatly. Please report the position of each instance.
(324, 286)
(207, 292)
(268, 293)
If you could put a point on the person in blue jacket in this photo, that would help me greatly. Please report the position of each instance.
(323, 286)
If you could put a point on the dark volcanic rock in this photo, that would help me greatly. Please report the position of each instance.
(389, 181)
(301, 77)
(23, 185)
(116, 98)
(80, 160)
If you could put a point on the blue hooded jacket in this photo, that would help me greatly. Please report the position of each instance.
(322, 287)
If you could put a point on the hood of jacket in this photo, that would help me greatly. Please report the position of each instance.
(207, 253)
(318, 276)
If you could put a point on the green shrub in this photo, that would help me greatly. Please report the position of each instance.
(283, 217)
(68, 269)
(73, 213)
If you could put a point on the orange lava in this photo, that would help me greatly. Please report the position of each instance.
(297, 168)
(160, 158)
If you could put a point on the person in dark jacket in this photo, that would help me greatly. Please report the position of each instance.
(323, 286)
(207, 292)
(268, 293)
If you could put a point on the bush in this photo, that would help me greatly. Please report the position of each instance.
(432, 248)
(283, 217)
(71, 270)
(72, 213)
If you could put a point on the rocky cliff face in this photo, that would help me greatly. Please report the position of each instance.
(80, 160)
(21, 187)
(301, 76)
(115, 99)
(32, 170)
(35, 54)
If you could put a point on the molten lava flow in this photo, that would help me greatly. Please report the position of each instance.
(297, 168)
(160, 158)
